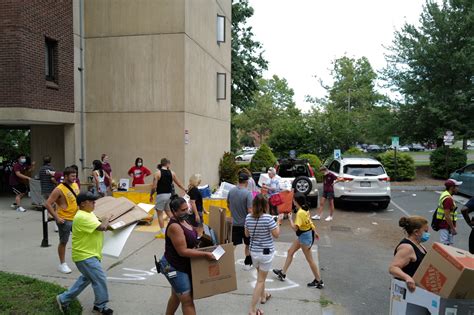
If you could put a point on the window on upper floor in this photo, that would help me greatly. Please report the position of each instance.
(51, 59)
(221, 86)
(220, 29)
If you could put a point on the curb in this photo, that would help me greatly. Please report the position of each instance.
(417, 188)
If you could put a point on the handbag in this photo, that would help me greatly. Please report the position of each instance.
(276, 200)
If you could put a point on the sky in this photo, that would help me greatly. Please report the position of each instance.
(302, 37)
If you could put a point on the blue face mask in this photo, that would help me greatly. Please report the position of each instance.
(425, 237)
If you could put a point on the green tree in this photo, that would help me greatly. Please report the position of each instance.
(14, 142)
(432, 66)
(247, 59)
(263, 159)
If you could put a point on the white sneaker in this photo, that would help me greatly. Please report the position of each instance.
(14, 205)
(316, 217)
(21, 209)
(329, 218)
(64, 268)
(247, 267)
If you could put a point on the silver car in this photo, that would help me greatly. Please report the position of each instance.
(361, 180)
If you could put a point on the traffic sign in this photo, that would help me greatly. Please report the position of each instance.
(448, 138)
(337, 154)
(292, 154)
(395, 142)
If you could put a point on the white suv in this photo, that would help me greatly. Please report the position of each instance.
(361, 179)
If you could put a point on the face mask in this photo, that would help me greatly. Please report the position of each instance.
(183, 217)
(425, 237)
(22, 161)
(139, 164)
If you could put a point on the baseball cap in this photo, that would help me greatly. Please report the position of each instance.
(243, 176)
(452, 182)
(85, 196)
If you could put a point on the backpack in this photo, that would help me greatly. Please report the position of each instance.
(435, 221)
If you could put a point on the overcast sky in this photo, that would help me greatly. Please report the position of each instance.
(302, 37)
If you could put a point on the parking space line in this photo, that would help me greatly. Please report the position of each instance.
(400, 208)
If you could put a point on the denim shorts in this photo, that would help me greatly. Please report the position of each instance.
(328, 195)
(306, 238)
(179, 281)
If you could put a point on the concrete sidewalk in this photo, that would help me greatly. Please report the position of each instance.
(134, 286)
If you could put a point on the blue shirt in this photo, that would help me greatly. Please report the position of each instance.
(470, 204)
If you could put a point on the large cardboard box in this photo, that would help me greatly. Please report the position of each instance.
(422, 302)
(448, 272)
(217, 222)
(214, 277)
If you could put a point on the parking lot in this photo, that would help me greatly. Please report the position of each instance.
(357, 247)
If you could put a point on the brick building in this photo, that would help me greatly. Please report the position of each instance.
(148, 79)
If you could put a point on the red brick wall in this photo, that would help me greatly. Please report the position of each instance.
(24, 24)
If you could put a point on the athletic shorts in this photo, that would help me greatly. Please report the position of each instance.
(238, 235)
(261, 261)
(64, 231)
(328, 194)
(20, 189)
(162, 202)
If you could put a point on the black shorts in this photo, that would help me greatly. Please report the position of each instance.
(238, 234)
(20, 189)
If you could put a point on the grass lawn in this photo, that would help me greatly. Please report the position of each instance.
(25, 295)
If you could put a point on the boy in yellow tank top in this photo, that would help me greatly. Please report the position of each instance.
(64, 196)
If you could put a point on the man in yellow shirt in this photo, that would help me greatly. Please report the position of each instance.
(87, 243)
(64, 196)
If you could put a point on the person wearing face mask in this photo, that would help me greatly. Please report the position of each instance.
(180, 243)
(17, 182)
(410, 252)
(328, 194)
(138, 172)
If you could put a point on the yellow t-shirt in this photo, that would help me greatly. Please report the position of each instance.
(303, 220)
(69, 212)
(87, 242)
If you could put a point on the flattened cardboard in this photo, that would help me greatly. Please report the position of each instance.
(214, 277)
(217, 222)
(116, 206)
(132, 216)
(448, 272)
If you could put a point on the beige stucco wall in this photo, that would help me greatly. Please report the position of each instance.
(138, 17)
(48, 140)
(135, 73)
(124, 137)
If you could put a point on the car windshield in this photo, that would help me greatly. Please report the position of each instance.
(364, 170)
(289, 170)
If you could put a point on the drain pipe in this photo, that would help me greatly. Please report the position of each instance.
(81, 70)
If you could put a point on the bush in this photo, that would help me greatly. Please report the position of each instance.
(263, 159)
(353, 151)
(315, 163)
(405, 165)
(444, 161)
(228, 168)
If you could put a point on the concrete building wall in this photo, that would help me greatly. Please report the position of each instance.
(48, 140)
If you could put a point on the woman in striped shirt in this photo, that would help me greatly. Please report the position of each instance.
(261, 228)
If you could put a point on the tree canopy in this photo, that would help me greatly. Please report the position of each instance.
(432, 66)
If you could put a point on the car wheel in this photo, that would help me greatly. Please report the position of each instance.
(302, 184)
(238, 159)
(384, 205)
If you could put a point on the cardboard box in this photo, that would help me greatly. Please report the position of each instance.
(422, 302)
(124, 212)
(214, 277)
(217, 220)
(448, 272)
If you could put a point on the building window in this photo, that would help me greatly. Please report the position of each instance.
(221, 86)
(51, 59)
(220, 29)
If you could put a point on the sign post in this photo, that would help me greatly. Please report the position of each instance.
(337, 154)
(448, 140)
(395, 145)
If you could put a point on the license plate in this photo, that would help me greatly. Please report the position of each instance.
(364, 184)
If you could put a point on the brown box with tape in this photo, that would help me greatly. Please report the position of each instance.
(448, 272)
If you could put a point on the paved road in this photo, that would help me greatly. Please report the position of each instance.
(357, 247)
